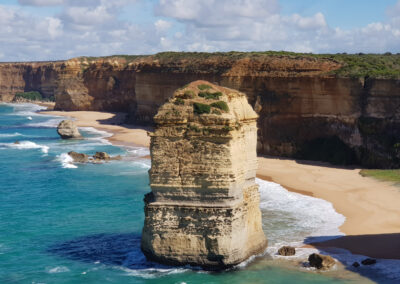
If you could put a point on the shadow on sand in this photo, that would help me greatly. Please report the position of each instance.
(349, 249)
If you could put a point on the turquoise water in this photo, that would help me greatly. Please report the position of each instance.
(60, 224)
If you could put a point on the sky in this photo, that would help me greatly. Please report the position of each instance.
(33, 30)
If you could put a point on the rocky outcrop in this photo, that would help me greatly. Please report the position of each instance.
(203, 209)
(67, 129)
(287, 251)
(98, 157)
(320, 116)
(78, 157)
(321, 261)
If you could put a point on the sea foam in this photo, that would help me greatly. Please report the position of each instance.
(66, 161)
(26, 145)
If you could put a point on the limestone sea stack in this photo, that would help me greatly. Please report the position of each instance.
(67, 129)
(203, 209)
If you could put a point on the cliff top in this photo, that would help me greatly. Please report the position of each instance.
(268, 63)
(203, 103)
(275, 63)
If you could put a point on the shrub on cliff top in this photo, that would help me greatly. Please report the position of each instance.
(203, 87)
(200, 108)
(179, 101)
(221, 105)
(210, 96)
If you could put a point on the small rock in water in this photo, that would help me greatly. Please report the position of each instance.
(321, 261)
(79, 157)
(101, 156)
(287, 251)
(368, 261)
(356, 264)
(67, 129)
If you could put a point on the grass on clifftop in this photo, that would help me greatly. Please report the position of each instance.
(384, 175)
(358, 65)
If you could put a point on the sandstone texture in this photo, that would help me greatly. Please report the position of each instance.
(320, 116)
(67, 129)
(203, 209)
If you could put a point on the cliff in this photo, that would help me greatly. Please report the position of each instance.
(337, 108)
(204, 206)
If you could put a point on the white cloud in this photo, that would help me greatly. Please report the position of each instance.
(162, 26)
(96, 27)
(219, 25)
(41, 2)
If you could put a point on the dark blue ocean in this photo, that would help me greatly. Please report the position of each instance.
(66, 223)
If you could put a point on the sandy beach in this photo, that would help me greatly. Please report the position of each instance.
(371, 207)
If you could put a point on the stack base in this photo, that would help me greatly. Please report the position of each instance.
(210, 236)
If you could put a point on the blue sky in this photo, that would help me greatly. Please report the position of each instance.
(60, 29)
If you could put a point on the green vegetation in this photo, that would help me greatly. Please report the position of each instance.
(210, 96)
(221, 105)
(203, 87)
(30, 96)
(358, 65)
(227, 128)
(200, 108)
(384, 175)
(179, 101)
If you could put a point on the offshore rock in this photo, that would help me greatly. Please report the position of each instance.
(67, 130)
(78, 157)
(321, 261)
(287, 251)
(203, 209)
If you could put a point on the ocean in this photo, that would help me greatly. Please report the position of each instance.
(67, 223)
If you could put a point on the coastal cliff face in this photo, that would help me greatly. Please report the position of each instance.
(204, 206)
(319, 115)
(26, 77)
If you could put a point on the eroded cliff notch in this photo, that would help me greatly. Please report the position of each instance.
(204, 205)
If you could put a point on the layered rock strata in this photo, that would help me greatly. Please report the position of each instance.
(203, 209)
(320, 116)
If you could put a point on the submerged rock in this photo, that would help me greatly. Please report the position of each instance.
(203, 209)
(287, 251)
(67, 129)
(321, 261)
(79, 157)
(356, 264)
(368, 261)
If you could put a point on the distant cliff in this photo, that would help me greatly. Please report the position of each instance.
(338, 108)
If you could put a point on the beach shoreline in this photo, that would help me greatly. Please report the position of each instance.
(370, 206)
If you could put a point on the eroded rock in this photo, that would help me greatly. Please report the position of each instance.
(203, 209)
(321, 261)
(287, 251)
(67, 129)
(79, 157)
(103, 156)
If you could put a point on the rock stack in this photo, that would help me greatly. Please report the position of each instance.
(203, 209)
(67, 129)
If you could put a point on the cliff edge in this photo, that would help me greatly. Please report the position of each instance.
(203, 209)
